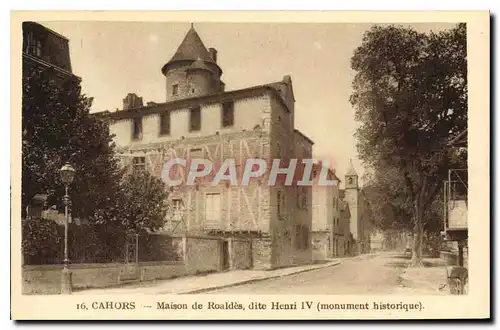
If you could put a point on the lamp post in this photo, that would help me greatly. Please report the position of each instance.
(67, 176)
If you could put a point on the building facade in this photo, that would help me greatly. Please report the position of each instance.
(347, 240)
(327, 233)
(46, 50)
(200, 119)
(359, 208)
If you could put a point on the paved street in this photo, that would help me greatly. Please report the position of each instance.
(370, 274)
(384, 273)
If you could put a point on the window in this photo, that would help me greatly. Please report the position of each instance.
(139, 165)
(301, 237)
(302, 198)
(227, 114)
(350, 180)
(33, 45)
(137, 128)
(177, 205)
(175, 216)
(195, 119)
(280, 204)
(212, 208)
(299, 197)
(165, 123)
(305, 237)
(175, 89)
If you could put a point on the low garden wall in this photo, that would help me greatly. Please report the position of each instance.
(191, 255)
(46, 279)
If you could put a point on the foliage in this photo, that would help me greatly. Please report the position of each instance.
(139, 203)
(41, 239)
(410, 95)
(57, 128)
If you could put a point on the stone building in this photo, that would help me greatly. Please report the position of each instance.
(359, 208)
(47, 50)
(347, 239)
(326, 233)
(200, 119)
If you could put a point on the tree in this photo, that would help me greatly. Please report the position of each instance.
(390, 201)
(410, 95)
(57, 128)
(140, 203)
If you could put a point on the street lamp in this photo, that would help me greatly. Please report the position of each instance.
(67, 176)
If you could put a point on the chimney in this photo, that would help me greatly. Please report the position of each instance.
(132, 101)
(213, 54)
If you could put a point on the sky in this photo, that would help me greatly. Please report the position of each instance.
(117, 58)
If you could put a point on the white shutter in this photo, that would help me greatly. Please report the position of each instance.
(212, 210)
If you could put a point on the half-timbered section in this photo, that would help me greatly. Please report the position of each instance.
(201, 120)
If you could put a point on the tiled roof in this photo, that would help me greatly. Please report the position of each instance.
(351, 170)
(192, 49)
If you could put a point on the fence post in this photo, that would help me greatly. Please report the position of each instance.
(229, 252)
(137, 248)
(185, 252)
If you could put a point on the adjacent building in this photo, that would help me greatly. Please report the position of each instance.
(46, 50)
(200, 119)
(359, 209)
(327, 234)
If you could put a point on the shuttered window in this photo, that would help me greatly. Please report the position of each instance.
(165, 123)
(212, 208)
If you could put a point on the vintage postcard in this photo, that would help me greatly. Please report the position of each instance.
(243, 165)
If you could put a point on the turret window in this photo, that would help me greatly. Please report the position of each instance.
(175, 89)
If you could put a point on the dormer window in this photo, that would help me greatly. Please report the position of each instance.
(350, 181)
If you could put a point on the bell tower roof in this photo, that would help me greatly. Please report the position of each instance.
(351, 171)
(191, 49)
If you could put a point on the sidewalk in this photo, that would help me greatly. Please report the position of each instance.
(430, 279)
(198, 284)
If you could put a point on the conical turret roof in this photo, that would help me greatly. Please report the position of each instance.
(351, 171)
(191, 49)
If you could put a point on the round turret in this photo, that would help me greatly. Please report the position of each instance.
(192, 71)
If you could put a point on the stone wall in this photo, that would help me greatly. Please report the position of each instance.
(261, 253)
(203, 254)
(46, 279)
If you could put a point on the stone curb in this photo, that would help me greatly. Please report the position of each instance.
(253, 280)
